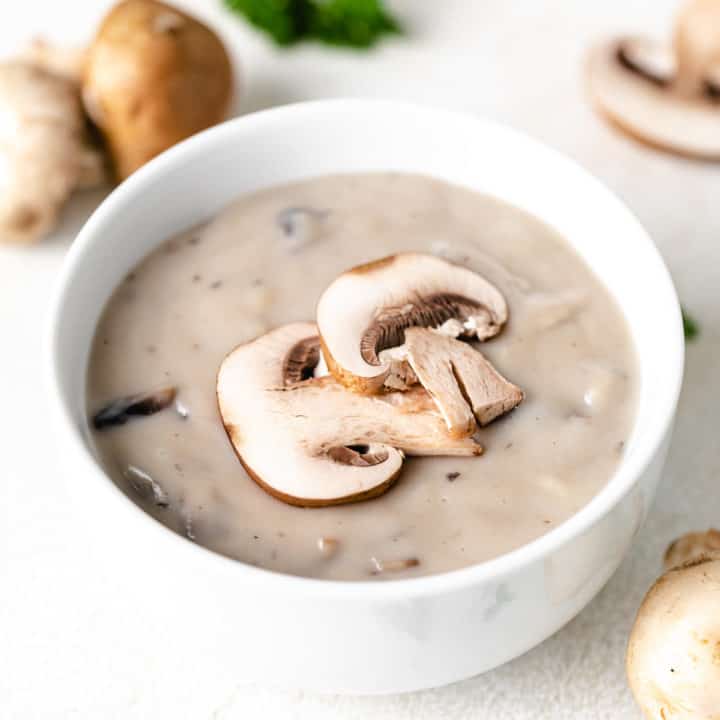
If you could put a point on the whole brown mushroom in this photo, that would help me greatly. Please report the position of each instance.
(153, 77)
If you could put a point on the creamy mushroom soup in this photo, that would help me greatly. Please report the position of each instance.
(266, 261)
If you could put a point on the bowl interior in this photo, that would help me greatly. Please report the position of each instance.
(194, 180)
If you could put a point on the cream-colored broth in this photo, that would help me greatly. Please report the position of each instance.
(176, 316)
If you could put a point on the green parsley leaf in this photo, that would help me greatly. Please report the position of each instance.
(690, 326)
(352, 23)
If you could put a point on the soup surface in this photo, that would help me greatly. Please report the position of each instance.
(263, 262)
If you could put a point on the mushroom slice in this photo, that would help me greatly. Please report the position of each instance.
(311, 442)
(119, 411)
(651, 60)
(464, 385)
(638, 88)
(367, 310)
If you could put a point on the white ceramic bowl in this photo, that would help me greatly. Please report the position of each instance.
(366, 637)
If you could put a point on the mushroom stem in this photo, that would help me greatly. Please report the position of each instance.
(353, 419)
(464, 385)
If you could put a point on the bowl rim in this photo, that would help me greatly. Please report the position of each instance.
(630, 469)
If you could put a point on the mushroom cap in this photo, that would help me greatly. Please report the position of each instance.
(692, 546)
(366, 310)
(153, 76)
(673, 658)
(652, 109)
(313, 443)
(696, 41)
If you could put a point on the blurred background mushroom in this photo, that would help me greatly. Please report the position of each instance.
(662, 93)
(153, 76)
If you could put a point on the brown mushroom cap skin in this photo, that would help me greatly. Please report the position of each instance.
(673, 656)
(311, 442)
(153, 76)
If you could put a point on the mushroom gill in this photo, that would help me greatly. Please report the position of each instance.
(387, 330)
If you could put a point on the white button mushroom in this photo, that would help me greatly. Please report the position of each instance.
(673, 657)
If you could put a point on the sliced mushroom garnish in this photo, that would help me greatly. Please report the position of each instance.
(665, 95)
(464, 385)
(367, 310)
(119, 411)
(649, 59)
(311, 442)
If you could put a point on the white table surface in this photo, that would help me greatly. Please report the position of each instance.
(67, 649)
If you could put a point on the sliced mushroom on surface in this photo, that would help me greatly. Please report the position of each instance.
(673, 656)
(393, 323)
(310, 442)
(648, 59)
(665, 95)
(653, 113)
